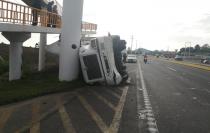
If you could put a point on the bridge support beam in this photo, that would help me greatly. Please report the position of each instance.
(70, 40)
(15, 52)
(42, 45)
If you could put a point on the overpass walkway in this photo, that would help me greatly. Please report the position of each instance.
(19, 18)
(16, 26)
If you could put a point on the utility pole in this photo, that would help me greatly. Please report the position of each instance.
(189, 48)
(136, 45)
(131, 43)
(185, 50)
(189, 45)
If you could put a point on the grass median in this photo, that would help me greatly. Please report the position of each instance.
(34, 85)
(190, 64)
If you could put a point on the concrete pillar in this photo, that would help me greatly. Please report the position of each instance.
(15, 52)
(42, 45)
(70, 40)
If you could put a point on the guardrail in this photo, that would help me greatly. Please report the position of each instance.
(20, 14)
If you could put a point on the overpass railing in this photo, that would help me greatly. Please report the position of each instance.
(20, 14)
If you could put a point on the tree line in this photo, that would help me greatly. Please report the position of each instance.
(204, 49)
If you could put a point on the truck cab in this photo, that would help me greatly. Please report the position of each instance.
(98, 61)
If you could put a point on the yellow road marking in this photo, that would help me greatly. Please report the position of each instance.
(44, 115)
(67, 123)
(104, 100)
(118, 114)
(66, 120)
(35, 117)
(112, 93)
(6, 113)
(190, 65)
(100, 123)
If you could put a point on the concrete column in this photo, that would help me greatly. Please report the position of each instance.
(42, 45)
(15, 60)
(15, 52)
(70, 40)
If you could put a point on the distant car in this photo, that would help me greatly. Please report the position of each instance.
(205, 60)
(178, 58)
(131, 58)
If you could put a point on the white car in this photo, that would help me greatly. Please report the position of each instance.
(178, 58)
(131, 58)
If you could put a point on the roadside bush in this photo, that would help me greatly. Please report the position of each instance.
(4, 67)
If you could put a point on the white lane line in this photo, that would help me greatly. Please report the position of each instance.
(171, 69)
(151, 122)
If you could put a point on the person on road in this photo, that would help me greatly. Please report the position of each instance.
(145, 58)
(50, 9)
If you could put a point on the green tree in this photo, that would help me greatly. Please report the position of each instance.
(129, 50)
(197, 48)
(205, 48)
(182, 50)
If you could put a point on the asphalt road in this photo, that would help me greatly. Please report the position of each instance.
(180, 96)
(161, 97)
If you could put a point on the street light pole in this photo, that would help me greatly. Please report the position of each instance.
(136, 45)
(185, 50)
(131, 44)
(189, 48)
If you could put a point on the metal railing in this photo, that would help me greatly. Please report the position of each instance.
(20, 14)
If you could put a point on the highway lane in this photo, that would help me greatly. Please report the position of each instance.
(162, 96)
(180, 96)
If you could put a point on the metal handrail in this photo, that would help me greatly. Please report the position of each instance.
(25, 15)
(20, 14)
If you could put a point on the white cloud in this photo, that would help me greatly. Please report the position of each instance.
(156, 24)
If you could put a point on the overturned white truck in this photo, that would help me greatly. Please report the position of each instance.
(101, 60)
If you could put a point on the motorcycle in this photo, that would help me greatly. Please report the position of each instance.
(145, 60)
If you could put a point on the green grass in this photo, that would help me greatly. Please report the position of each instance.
(33, 85)
(4, 67)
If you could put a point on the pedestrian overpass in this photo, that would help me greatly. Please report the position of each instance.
(16, 26)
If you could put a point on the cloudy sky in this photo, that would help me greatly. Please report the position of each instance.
(154, 24)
